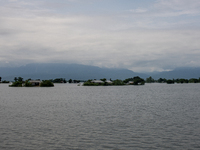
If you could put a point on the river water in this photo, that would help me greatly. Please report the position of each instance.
(67, 116)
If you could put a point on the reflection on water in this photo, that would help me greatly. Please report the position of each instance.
(154, 116)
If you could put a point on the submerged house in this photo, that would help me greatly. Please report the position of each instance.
(100, 82)
(97, 81)
(35, 82)
(109, 82)
(130, 82)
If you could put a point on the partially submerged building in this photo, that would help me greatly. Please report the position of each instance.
(100, 82)
(35, 82)
(97, 81)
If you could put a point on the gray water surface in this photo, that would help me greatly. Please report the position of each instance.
(67, 116)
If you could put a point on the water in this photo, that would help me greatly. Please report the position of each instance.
(153, 116)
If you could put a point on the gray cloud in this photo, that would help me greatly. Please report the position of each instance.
(113, 40)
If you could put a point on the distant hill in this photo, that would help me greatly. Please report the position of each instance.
(67, 71)
(183, 72)
(85, 72)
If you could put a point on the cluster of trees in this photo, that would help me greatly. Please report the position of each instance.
(74, 81)
(171, 81)
(63, 80)
(135, 81)
(18, 82)
(118, 82)
(130, 81)
(46, 83)
(103, 82)
(58, 80)
(4, 81)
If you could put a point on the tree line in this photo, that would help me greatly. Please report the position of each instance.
(18, 81)
(4, 81)
(131, 81)
(63, 80)
(171, 81)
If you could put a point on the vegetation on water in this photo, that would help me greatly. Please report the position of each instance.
(103, 82)
(59, 80)
(172, 81)
(18, 82)
(135, 81)
(63, 80)
(46, 83)
(74, 81)
(4, 81)
(139, 81)
(27, 84)
(118, 82)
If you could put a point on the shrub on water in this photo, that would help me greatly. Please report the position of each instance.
(27, 84)
(16, 84)
(46, 83)
(170, 82)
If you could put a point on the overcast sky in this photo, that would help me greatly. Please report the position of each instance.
(141, 35)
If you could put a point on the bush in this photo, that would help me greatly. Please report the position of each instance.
(16, 84)
(118, 82)
(138, 81)
(170, 82)
(46, 83)
(4, 81)
(28, 84)
(88, 83)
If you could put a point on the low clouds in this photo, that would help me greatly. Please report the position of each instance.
(181, 5)
(32, 33)
(175, 8)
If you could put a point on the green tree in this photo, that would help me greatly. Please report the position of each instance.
(70, 81)
(89, 83)
(46, 83)
(20, 79)
(16, 84)
(4, 81)
(104, 79)
(58, 80)
(138, 81)
(127, 80)
(170, 81)
(76, 81)
(27, 83)
(150, 80)
(15, 79)
(181, 80)
(193, 80)
(161, 80)
(118, 82)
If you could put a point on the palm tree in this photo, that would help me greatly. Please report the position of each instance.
(15, 79)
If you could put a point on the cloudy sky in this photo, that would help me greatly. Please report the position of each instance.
(141, 35)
